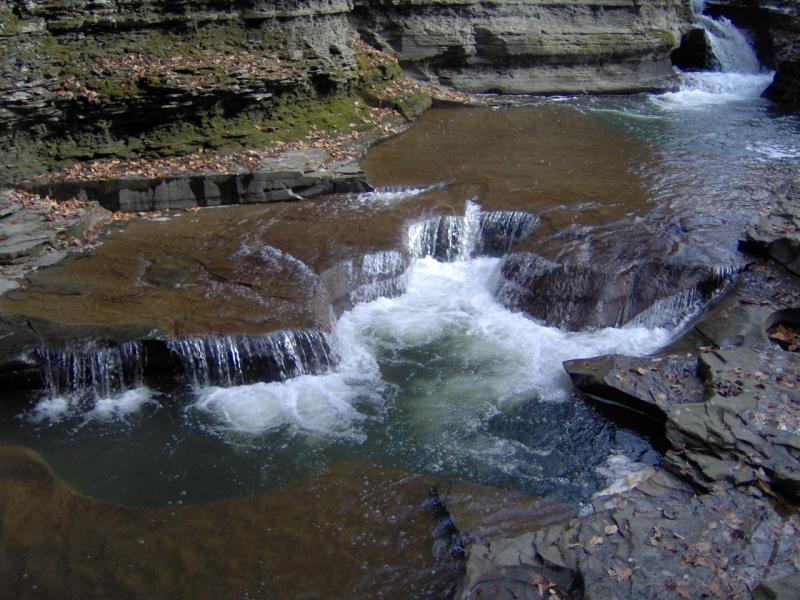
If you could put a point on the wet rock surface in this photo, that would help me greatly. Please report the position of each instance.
(719, 520)
(610, 275)
(36, 232)
(249, 546)
(777, 234)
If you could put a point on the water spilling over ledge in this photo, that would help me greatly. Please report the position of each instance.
(369, 328)
(243, 359)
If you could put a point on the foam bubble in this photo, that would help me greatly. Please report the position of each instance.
(50, 410)
(323, 404)
(122, 405)
(622, 474)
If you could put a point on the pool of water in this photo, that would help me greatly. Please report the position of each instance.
(437, 378)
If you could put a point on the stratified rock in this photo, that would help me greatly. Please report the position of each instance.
(656, 541)
(777, 234)
(530, 46)
(134, 194)
(648, 386)
(87, 80)
(748, 428)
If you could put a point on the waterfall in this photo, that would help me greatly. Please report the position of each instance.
(737, 75)
(500, 230)
(92, 378)
(229, 360)
(732, 49)
(451, 238)
(584, 296)
(678, 310)
(377, 275)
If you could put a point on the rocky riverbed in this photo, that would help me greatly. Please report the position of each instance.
(720, 520)
(216, 305)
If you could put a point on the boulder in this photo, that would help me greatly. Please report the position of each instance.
(649, 386)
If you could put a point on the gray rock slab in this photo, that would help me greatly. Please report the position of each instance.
(658, 541)
(777, 233)
(649, 385)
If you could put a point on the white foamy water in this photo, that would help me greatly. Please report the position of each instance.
(739, 75)
(390, 195)
(112, 408)
(772, 150)
(701, 90)
(473, 356)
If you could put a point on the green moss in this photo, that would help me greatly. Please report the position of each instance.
(669, 38)
(9, 22)
(413, 104)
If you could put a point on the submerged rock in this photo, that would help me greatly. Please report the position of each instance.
(353, 531)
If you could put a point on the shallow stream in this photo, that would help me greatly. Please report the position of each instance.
(429, 373)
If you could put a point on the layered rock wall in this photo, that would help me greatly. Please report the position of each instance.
(87, 79)
(530, 46)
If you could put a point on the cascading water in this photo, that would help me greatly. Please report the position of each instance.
(434, 376)
(732, 49)
(738, 71)
(229, 360)
(450, 238)
(104, 381)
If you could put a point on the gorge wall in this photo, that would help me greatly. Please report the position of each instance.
(530, 46)
(87, 79)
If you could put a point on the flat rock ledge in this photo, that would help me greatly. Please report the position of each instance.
(720, 519)
(36, 233)
(136, 194)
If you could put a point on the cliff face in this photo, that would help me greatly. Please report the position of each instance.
(86, 79)
(530, 46)
(82, 79)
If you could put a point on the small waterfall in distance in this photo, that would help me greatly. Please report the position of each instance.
(732, 49)
(450, 238)
(738, 72)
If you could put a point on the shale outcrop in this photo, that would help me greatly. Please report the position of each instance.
(531, 46)
(88, 80)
